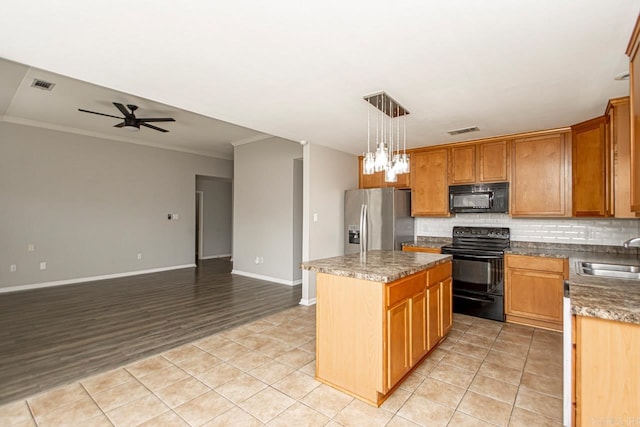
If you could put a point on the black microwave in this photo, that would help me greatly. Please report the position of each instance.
(477, 198)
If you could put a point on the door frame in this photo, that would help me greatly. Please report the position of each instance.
(200, 219)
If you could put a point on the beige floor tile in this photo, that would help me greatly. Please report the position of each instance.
(438, 354)
(258, 325)
(267, 404)
(425, 412)
(299, 415)
(147, 366)
(254, 341)
(182, 391)
(271, 372)
(234, 417)
(545, 356)
(121, 395)
(274, 349)
(183, 352)
(542, 404)
(426, 367)
(219, 375)
(514, 328)
(494, 389)
(48, 401)
(250, 361)
(168, 419)
(459, 326)
(514, 338)
(198, 363)
(505, 359)
(489, 332)
(137, 412)
(309, 369)
(470, 350)
(543, 369)
(485, 408)
(211, 342)
(524, 418)
(544, 385)
(358, 413)
(296, 385)
(164, 378)
(447, 344)
(459, 360)
(460, 419)
(106, 381)
(203, 408)
(68, 415)
(97, 421)
(327, 400)
(396, 400)
(309, 346)
(412, 382)
(463, 318)
(440, 392)
(230, 351)
(478, 340)
(511, 348)
(16, 414)
(240, 388)
(398, 421)
(452, 375)
(499, 372)
(296, 358)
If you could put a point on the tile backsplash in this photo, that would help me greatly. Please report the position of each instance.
(557, 230)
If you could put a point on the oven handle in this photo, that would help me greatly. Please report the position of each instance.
(473, 298)
(459, 255)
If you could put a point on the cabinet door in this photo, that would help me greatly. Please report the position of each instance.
(634, 92)
(590, 169)
(446, 306)
(433, 315)
(429, 187)
(418, 326)
(463, 164)
(421, 249)
(534, 295)
(617, 130)
(398, 341)
(539, 171)
(375, 180)
(493, 161)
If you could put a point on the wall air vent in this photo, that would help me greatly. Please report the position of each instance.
(463, 130)
(41, 84)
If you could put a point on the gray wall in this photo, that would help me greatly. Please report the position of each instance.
(217, 218)
(91, 205)
(298, 168)
(263, 208)
(327, 174)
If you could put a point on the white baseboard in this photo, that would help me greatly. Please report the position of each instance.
(91, 278)
(307, 302)
(268, 278)
(215, 256)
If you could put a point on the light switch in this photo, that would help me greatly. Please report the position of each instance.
(176, 216)
(315, 217)
(13, 268)
(31, 247)
(43, 265)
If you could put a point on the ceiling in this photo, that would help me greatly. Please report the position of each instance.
(299, 71)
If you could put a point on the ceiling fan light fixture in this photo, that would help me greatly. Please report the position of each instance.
(131, 128)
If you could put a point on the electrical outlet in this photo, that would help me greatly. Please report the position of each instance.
(13, 268)
(31, 247)
(176, 216)
(43, 265)
(257, 260)
(261, 260)
(139, 256)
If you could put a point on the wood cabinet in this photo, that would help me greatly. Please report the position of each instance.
(607, 372)
(429, 186)
(591, 169)
(634, 93)
(376, 180)
(534, 287)
(371, 335)
(618, 134)
(540, 176)
(446, 304)
(479, 162)
(408, 248)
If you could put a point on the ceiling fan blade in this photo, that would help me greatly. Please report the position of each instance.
(165, 119)
(122, 109)
(119, 125)
(153, 127)
(100, 114)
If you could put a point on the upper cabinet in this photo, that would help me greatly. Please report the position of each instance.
(634, 91)
(540, 175)
(617, 133)
(429, 189)
(479, 162)
(591, 168)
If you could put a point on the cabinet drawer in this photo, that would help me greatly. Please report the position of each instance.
(405, 288)
(421, 249)
(556, 265)
(440, 272)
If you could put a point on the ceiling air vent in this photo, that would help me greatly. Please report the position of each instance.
(463, 130)
(41, 84)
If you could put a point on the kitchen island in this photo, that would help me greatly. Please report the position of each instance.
(378, 316)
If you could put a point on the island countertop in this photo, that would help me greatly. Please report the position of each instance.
(376, 266)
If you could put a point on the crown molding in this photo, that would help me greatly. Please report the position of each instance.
(251, 139)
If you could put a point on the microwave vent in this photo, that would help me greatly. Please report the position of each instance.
(463, 130)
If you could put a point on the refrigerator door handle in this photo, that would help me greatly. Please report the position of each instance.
(363, 228)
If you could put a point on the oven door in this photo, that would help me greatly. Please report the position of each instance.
(478, 273)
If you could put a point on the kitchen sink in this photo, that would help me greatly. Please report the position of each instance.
(618, 271)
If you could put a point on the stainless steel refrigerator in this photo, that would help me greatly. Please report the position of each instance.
(377, 218)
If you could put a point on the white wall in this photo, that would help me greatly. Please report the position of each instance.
(90, 205)
(298, 180)
(327, 174)
(557, 230)
(263, 209)
(216, 216)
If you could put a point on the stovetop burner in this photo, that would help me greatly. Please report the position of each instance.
(485, 239)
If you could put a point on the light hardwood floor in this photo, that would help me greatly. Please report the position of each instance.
(55, 336)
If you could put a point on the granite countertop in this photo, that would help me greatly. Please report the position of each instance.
(429, 242)
(594, 296)
(377, 266)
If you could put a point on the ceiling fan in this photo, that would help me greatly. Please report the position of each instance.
(131, 122)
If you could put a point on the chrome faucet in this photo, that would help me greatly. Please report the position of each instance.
(630, 241)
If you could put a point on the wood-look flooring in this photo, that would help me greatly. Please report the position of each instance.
(54, 336)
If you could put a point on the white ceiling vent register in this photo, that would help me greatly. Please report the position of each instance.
(42, 84)
(463, 130)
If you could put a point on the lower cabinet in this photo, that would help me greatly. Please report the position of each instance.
(534, 287)
(399, 337)
(408, 248)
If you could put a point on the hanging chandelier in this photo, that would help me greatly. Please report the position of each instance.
(387, 157)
